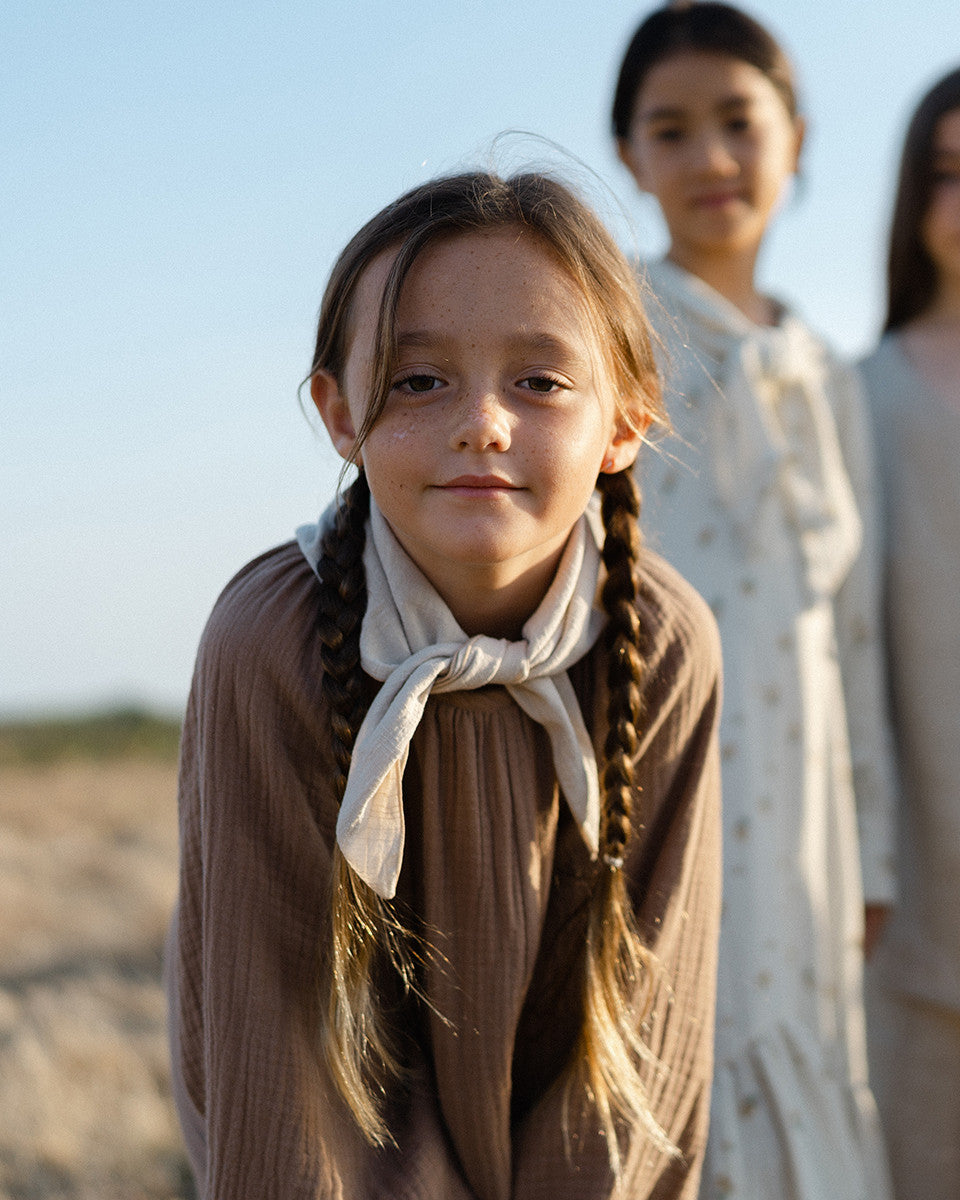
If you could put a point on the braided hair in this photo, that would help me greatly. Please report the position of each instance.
(618, 968)
(368, 937)
(358, 1046)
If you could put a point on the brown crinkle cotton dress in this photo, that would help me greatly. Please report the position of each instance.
(495, 866)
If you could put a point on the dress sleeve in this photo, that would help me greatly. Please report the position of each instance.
(183, 958)
(255, 859)
(859, 640)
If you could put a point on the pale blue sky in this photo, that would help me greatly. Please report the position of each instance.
(176, 182)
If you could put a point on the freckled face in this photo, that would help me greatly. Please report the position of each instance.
(500, 414)
(940, 228)
(712, 139)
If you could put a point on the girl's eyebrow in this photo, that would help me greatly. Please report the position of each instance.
(663, 113)
(667, 112)
(418, 339)
(542, 343)
(732, 103)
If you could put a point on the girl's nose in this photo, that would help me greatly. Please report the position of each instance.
(713, 154)
(481, 422)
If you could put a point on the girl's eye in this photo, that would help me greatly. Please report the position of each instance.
(544, 384)
(418, 384)
(738, 124)
(668, 133)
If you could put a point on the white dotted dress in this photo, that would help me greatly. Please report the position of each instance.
(764, 502)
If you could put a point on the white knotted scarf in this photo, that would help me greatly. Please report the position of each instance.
(411, 641)
(772, 431)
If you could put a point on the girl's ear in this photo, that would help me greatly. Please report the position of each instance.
(628, 156)
(335, 413)
(625, 444)
(800, 133)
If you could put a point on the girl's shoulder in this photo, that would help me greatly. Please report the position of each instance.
(677, 622)
(886, 365)
(889, 379)
(701, 333)
(267, 609)
(264, 623)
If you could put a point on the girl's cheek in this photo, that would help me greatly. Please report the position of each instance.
(402, 428)
(402, 434)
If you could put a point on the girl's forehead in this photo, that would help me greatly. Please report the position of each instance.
(499, 282)
(498, 285)
(689, 77)
(450, 260)
(485, 252)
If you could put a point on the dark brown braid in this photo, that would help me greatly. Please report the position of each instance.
(343, 601)
(367, 935)
(617, 966)
(364, 929)
(621, 550)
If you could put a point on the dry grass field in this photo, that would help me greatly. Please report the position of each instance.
(87, 880)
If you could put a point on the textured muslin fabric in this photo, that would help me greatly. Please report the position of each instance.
(754, 503)
(914, 979)
(784, 451)
(411, 641)
(495, 869)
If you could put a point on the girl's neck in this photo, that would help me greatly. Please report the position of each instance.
(493, 604)
(944, 312)
(731, 274)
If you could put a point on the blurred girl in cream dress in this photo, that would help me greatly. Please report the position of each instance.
(765, 502)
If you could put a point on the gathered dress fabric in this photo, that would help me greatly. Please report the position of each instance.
(914, 979)
(764, 502)
(495, 870)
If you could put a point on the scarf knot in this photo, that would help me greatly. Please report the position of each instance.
(482, 661)
(770, 425)
(412, 643)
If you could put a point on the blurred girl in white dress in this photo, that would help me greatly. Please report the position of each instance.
(765, 503)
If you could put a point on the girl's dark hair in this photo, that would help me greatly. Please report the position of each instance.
(911, 274)
(706, 28)
(367, 933)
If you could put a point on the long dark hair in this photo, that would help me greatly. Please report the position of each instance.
(367, 934)
(707, 28)
(911, 274)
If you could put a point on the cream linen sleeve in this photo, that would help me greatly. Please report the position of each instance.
(859, 644)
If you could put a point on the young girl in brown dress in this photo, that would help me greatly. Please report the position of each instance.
(449, 794)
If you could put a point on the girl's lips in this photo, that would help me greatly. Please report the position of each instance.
(715, 199)
(479, 483)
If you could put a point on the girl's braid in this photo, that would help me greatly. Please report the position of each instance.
(359, 1045)
(621, 550)
(612, 1055)
(343, 601)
